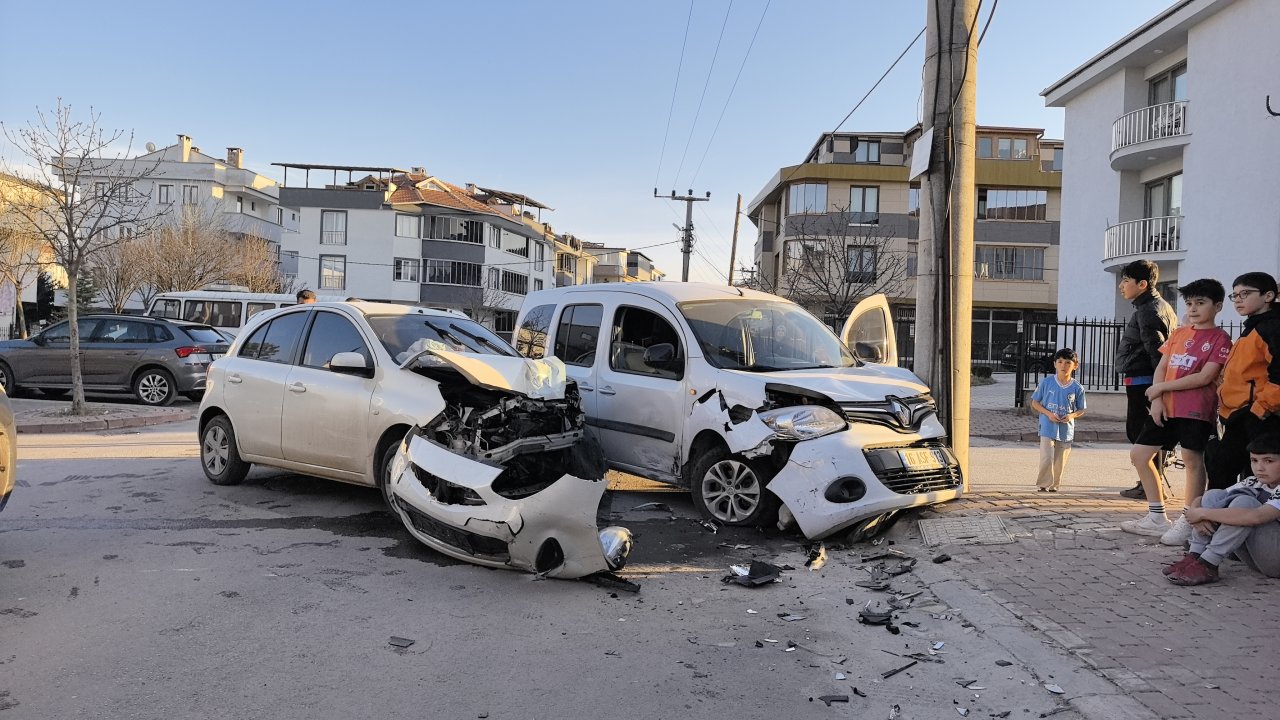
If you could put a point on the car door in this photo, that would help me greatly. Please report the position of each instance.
(576, 342)
(253, 389)
(114, 350)
(639, 414)
(326, 413)
(49, 361)
(869, 331)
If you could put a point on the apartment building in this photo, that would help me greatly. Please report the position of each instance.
(616, 264)
(854, 188)
(1174, 150)
(405, 236)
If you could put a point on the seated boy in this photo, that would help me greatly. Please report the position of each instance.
(1243, 519)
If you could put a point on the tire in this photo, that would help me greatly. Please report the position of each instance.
(194, 396)
(155, 387)
(54, 393)
(730, 489)
(6, 379)
(384, 474)
(219, 456)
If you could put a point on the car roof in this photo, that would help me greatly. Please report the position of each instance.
(671, 292)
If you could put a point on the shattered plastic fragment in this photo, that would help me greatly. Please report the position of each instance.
(790, 649)
(890, 673)
(400, 642)
(788, 617)
(768, 640)
(709, 525)
(859, 693)
(942, 558)
(752, 612)
(656, 506)
(1003, 663)
(840, 676)
(735, 547)
(828, 699)
(610, 581)
(739, 570)
(758, 573)
(1055, 689)
(939, 645)
(964, 712)
(817, 557)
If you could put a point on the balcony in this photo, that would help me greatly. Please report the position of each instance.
(1149, 135)
(1155, 238)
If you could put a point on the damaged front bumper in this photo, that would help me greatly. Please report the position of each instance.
(832, 482)
(449, 503)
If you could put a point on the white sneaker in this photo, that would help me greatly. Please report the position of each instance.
(1179, 534)
(1147, 525)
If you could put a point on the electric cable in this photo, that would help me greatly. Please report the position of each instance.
(674, 91)
(705, 85)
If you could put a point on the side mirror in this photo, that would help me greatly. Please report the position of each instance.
(661, 356)
(39, 340)
(350, 363)
(870, 353)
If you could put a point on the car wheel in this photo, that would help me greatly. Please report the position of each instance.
(6, 379)
(195, 396)
(154, 386)
(730, 489)
(54, 393)
(218, 454)
(384, 474)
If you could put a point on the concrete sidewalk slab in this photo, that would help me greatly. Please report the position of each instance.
(50, 416)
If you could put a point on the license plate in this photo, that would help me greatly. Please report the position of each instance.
(921, 459)
(215, 356)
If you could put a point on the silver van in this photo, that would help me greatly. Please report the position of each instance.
(748, 400)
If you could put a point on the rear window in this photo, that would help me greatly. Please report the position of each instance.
(203, 334)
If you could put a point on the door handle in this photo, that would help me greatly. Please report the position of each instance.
(588, 388)
(297, 388)
(132, 353)
(608, 390)
(234, 379)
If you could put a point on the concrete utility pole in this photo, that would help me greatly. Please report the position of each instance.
(687, 245)
(944, 303)
(733, 250)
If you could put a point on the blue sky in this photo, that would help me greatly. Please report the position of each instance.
(564, 101)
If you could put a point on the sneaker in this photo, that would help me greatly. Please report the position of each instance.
(1134, 493)
(1171, 569)
(1179, 534)
(1147, 525)
(1194, 573)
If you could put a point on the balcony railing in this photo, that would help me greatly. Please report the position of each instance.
(1140, 237)
(1149, 123)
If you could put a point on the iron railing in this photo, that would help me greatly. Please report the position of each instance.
(1139, 237)
(1149, 123)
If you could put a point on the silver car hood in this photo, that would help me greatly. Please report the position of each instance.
(868, 383)
(536, 379)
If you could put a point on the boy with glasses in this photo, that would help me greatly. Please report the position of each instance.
(1249, 394)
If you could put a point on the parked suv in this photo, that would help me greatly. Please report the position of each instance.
(1038, 357)
(748, 400)
(154, 359)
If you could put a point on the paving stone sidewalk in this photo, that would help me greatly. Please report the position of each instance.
(992, 415)
(1205, 653)
(51, 417)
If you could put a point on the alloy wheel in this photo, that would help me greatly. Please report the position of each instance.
(214, 450)
(153, 388)
(731, 491)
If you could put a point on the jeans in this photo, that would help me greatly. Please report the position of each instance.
(1258, 546)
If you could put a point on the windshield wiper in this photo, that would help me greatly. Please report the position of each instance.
(498, 349)
(760, 368)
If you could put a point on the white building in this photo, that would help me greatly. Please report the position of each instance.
(1172, 153)
(404, 236)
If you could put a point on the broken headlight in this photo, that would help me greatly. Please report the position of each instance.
(803, 422)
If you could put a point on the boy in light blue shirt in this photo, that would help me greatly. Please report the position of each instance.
(1059, 400)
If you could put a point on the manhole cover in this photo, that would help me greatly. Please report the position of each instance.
(974, 530)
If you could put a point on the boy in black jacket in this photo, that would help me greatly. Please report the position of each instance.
(1148, 328)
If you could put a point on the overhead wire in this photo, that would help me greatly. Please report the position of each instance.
(675, 178)
(674, 92)
(732, 88)
(501, 264)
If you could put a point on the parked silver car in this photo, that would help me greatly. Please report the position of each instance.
(8, 450)
(154, 359)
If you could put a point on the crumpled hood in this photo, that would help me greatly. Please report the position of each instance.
(853, 384)
(535, 379)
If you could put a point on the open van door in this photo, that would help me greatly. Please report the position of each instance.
(869, 331)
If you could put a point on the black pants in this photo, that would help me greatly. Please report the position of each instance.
(1226, 460)
(1137, 411)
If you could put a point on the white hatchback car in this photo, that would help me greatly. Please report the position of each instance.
(478, 451)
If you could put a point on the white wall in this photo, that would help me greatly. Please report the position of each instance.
(370, 250)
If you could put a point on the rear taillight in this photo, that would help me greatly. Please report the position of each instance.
(188, 350)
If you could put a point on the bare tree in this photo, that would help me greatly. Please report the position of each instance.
(257, 266)
(834, 260)
(22, 255)
(88, 195)
(484, 303)
(191, 250)
(122, 271)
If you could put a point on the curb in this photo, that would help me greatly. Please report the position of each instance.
(1105, 436)
(155, 416)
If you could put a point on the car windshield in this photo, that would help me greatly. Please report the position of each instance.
(763, 335)
(406, 335)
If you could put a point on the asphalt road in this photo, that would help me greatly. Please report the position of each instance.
(131, 587)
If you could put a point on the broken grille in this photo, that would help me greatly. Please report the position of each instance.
(464, 540)
(893, 467)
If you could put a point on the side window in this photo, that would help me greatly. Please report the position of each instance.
(282, 337)
(638, 332)
(253, 344)
(254, 308)
(577, 334)
(60, 333)
(115, 330)
(531, 340)
(332, 334)
(225, 314)
(196, 311)
(160, 333)
(171, 309)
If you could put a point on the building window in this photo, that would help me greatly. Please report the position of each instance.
(515, 283)
(567, 263)
(984, 147)
(451, 272)
(494, 279)
(450, 228)
(1057, 159)
(504, 323)
(862, 264)
(190, 194)
(1011, 204)
(333, 272)
(864, 204)
(100, 189)
(913, 202)
(807, 198)
(495, 236)
(407, 226)
(333, 227)
(1163, 198)
(239, 204)
(280, 216)
(913, 259)
(253, 206)
(537, 285)
(164, 195)
(406, 270)
(539, 256)
(1008, 263)
(867, 152)
(1170, 86)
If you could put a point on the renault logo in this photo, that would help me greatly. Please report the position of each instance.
(900, 411)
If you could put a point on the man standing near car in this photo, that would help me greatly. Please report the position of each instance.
(306, 297)
(1150, 325)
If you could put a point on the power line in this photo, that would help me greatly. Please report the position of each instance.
(705, 85)
(671, 111)
(716, 129)
(905, 50)
(482, 264)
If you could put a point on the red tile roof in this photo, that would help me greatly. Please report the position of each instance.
(415, 188)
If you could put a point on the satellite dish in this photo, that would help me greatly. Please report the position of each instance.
(151, 147)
